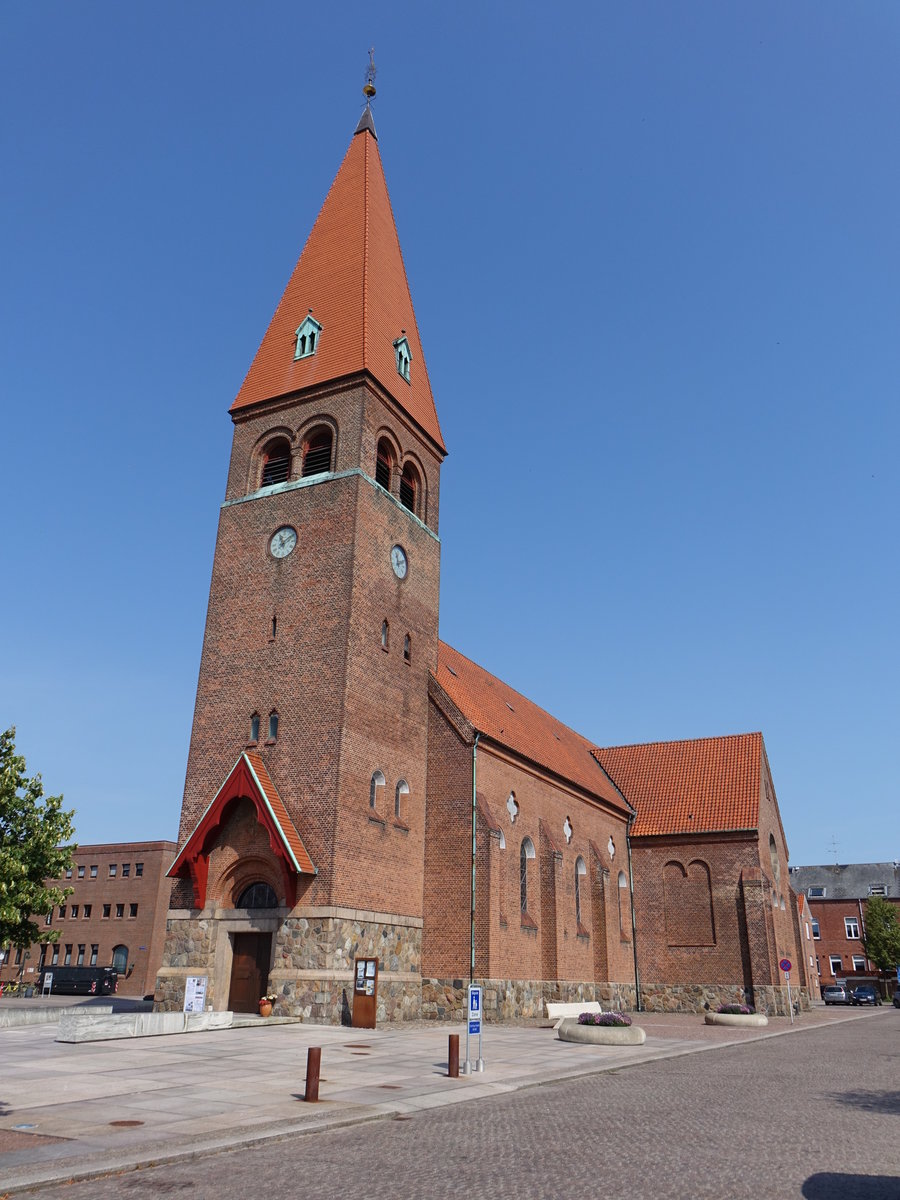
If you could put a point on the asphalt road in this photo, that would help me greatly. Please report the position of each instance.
(814, 1114)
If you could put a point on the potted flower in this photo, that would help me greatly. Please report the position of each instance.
(601, 1029)
(735, 1014)
(267, 1003)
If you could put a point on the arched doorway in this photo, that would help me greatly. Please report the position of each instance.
(251, 952)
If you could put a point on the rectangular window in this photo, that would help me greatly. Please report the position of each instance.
(138, 869)
(120, 910)
(95, 950)
(68, 872)
(105, 911)
(112, 870)
(74, 912)
(859, 962)
(80, 962)
(68, 958)
(126, 870)
(54, 957)
(87, 911)
(62, 912)
(132, 910)
(815, 928)
(81, 872)
(18, 956)
(836, 963)
(812, 962)
(877, 891)
(816, 893)
(851, 927)
(93, 872)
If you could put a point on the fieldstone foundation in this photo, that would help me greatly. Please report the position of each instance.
(313, 953)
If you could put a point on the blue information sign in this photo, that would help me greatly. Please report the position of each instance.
(474, 1009)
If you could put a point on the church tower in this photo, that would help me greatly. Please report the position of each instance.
(301, 844)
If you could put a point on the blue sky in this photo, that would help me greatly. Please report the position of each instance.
(654, 253)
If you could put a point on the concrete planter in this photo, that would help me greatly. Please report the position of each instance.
(746, 1019)
(600, 1035)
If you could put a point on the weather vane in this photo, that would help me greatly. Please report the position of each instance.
(369, 89)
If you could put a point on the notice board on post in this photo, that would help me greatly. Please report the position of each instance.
(365, 992)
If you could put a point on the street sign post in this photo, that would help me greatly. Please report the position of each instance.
(473, 1026)
(786, 965)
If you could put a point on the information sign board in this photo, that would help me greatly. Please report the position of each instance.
(195, 993)
(474, 1009)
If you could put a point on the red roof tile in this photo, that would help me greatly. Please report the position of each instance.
(287, 827)
(507, 717)
(351, 275)
(697, 786)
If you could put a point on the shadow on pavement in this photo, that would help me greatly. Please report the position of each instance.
(880, 1102)
(833, 1186)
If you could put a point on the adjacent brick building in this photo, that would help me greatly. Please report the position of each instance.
(115, 916)
(354, 786)
(837, 897)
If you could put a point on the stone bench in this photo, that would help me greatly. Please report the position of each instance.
(557, 1012)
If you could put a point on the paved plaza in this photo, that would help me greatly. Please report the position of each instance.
(70, 1111)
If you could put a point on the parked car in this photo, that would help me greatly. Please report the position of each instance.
(836, 993)
(865, 993)
(897, 998)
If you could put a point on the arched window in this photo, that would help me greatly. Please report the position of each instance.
(317, 452)
(257, 895)
(624, 922)
(580, 869)
(525, 853)
(276, 462)
(384, 464)
(773, 858)
(410, 488)
(120, 959)
(401, 800)
(273, 725)
(254, 727)
(385, 635)
(376, 792)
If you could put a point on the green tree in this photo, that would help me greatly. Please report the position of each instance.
(33, 828)
(881, 937)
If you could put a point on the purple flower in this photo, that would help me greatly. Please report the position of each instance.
(604, 1018)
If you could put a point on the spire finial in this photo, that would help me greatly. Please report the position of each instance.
(369, 89)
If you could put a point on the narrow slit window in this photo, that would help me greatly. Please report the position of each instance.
(525, 853)
(273, 725)
(401, 800)
(407, 649)
(376, 792)
(385, 635)
(254, 728)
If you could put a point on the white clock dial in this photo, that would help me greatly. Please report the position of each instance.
(398, 562)
(283, 541)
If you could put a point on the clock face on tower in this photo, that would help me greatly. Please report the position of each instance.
(282, 542)
(398, 562)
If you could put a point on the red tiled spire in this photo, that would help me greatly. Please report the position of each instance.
(351, 275)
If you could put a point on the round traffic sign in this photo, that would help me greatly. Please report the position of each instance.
(785, 965)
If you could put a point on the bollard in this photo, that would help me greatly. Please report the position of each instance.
(453, 1057)
(313, 1062)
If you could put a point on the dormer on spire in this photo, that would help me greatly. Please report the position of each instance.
(307, 334)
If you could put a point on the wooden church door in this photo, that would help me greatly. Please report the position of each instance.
(249, 970)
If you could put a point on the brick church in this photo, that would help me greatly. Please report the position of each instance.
(355, 787)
